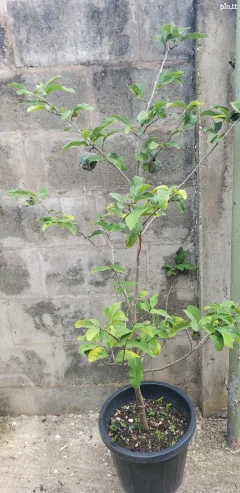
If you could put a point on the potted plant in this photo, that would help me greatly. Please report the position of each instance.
(146, 425)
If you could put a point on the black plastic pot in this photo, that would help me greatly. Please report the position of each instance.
(154, 472)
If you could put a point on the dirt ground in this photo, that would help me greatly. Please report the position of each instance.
(65, 455)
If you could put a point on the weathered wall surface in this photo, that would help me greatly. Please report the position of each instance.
(215, 191)
(98, 47)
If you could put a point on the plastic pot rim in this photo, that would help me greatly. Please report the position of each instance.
(149, 457)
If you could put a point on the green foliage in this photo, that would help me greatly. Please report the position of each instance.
(141, 325)
(179, 264)
(172, 35)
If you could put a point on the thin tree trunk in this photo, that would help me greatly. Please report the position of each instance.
(142, 410)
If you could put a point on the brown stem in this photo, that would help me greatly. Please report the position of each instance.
(137, 279)
(142, 410)
(199, 346)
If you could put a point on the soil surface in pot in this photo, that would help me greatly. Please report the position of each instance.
(167, 425)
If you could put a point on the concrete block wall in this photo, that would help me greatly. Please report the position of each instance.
(98, 47)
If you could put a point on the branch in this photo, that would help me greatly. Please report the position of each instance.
(199, 346)
(189, 340)
(57, 113)
(159, 73)
(99, 248)
(167, 299)
(137, 279)
(208, 154)
(148, 224)
(170, 136)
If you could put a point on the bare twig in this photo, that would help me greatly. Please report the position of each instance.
(199, 346)
(78, 130)
(167, 299)
(148, 224)
(208, 154)
(99, 248)
(159, 73)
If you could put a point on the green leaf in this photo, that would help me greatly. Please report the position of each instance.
(131, 239)
(194, 36)
(132, 218)
(66, 114)
(85, 347)
(231, 331)
(83, 106)
(145, 306)
(153, 145)
(154, 300)
(218, 340)
(122, 119)
(20, 194)
(142, 294)
(173, 143)
(142, 116)
(189, 121)
(137, 90)
(52, 80)
(211, 113)
(110, 311)
(181, 205)
(42, 193)
(58, 87)
(136, 184)
(179, 259)
(194, 314)
(129, 355)
(183, 324)
(35, 108)
(74, 143)
(96, 354)
(101, 268)
(186, 266)
(117, 160)
(161, 312)
(118, 268)
(135, 372)
(92, 332)
(117, 197)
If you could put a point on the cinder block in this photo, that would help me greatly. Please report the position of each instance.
(184, 374)
(176, 164)
(69, 270)
(28, 366)
(112, 95)
(176, 227)
(20, 274)
(12, 401)
(56, 401)
(74, 369)
(14, 116)
(36, 161)
(20, 228)
(45, 321)
(153, 14)
(49, 33)
(157, 256)
(5, 330)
